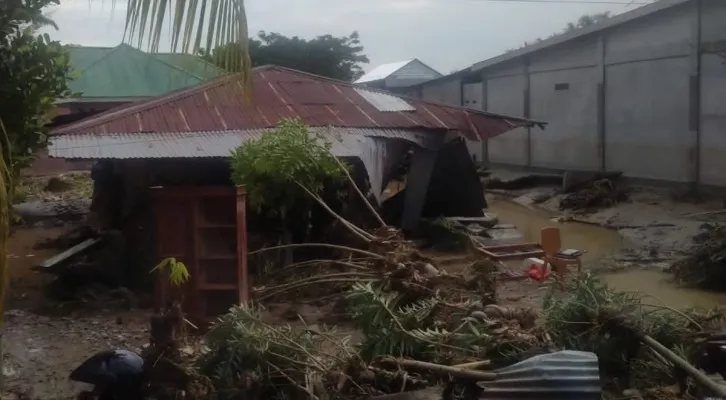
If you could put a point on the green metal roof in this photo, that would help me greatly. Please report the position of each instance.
(124, 71)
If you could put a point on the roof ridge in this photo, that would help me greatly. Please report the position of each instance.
(220, 70)
(403, 63)
(96, 61)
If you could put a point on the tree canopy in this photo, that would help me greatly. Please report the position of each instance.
(34, 71)
(326, 55)
(584, 21)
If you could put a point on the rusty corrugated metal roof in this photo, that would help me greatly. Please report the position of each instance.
(279, 92)
(202, 144)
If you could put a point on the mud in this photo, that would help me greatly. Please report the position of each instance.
(39, 352)
(43, 342)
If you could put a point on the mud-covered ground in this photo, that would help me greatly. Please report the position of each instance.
(43, 341)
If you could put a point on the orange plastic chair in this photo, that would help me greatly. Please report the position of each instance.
(551, 243)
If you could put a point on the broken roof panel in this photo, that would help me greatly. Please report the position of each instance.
(384, 101)
(277, 93)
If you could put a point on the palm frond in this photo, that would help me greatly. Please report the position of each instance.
(214, 22)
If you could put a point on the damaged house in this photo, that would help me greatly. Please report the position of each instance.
(181, 140)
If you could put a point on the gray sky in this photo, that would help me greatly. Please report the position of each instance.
(446, 34)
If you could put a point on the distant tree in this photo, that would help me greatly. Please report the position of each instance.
(325, 55)
(584, 21)
(588, 20)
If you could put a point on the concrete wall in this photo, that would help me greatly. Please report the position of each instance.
(640, 97)
(712, 144)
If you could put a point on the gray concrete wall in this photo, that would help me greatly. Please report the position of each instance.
(641, 97)
(447, 91)
(713, 94)
(473, 97)
(506, 95)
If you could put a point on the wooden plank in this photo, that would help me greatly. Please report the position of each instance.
(73, 251)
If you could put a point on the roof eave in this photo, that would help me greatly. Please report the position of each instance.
(565, 37)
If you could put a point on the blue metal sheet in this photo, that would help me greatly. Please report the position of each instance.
(563, 375)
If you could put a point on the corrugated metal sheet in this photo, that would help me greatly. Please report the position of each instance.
(202, 144)
(278, 92)
(373, 147)
(382, 71)
(562, 375)
(385, 102)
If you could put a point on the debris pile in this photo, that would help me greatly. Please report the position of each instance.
(595, 194)
(590, 316)
(400, 302)
(704, 265)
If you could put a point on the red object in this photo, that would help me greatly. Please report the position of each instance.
(221, 105)
(538, 272)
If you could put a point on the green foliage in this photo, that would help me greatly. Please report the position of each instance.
(326, 55)
(248, 358)
(275, 166)
(590, 316)
(34, 71)
(392, 328)
(704, 266)
(584, 21)
(178, 272)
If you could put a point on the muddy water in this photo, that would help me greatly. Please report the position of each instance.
(597, 241)
(657, 289)
(654, 285)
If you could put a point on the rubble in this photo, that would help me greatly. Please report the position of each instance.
(595, 194)
(704, 265)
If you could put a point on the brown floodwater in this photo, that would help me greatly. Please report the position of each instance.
(655, 285)
(596, 240)
(658, 289)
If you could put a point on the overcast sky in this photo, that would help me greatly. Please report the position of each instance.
(446, 34)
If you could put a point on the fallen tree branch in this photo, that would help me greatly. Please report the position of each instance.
(474, 365)
(697, 375)
(332, 246)
(365, 236)
(457, 372)
(307, 283)
(362, 196)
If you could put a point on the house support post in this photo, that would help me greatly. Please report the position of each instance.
(526, 107)
(694, 109)
(601, 99)
(423, 161)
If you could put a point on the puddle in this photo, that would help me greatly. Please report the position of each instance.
(659, 290)
(597, 241)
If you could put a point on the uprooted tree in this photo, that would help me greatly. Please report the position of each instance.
(288, 172)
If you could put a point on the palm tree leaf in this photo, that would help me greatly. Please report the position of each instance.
(218, 21)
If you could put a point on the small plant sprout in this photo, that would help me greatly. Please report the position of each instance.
(178, 272)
